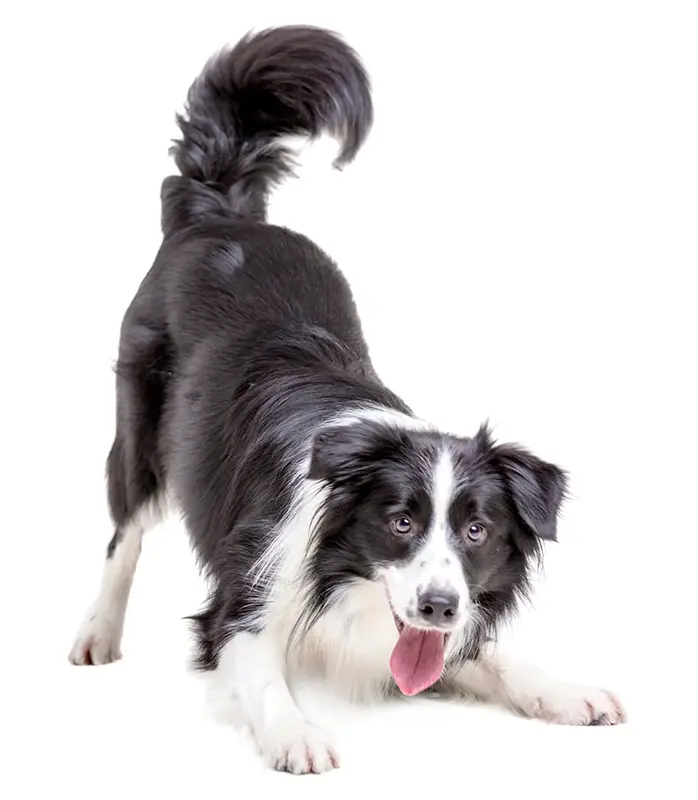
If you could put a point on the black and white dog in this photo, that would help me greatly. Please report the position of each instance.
(341, 534)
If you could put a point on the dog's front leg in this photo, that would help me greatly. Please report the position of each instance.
(251, 669)
(528, 690)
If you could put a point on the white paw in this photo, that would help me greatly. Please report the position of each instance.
(98, 641)
(570, 704)
(300, 749)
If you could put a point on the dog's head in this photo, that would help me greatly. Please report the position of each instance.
(449, 524)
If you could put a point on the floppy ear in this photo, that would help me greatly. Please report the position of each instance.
(349, 452)
(537, 488)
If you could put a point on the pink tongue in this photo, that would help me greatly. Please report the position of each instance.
(417, 660)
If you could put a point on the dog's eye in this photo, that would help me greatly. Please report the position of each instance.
(402, 525)
(476, 532)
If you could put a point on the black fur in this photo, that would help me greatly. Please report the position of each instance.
(243, 339)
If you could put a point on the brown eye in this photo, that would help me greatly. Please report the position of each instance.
(402, 525)
(476, 532)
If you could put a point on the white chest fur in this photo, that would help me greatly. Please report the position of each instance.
(351, 643)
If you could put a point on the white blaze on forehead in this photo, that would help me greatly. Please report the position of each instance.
(443, 486)
(438, 562)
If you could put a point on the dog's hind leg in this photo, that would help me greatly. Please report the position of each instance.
(99, 638)
(136, 500)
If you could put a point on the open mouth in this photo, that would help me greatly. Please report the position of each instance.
(417, 661)
(400, 625)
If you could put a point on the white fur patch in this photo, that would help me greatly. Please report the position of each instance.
(281, 561)
(351, 643)
(387, 416)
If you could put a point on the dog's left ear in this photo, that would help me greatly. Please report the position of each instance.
(350, 452)
(537, 488)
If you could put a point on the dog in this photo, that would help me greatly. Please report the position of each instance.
(341, 534)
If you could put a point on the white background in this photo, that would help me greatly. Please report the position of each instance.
(520, 233)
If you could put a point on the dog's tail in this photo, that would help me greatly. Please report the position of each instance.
(297, 80)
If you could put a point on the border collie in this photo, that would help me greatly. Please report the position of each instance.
(339, 532)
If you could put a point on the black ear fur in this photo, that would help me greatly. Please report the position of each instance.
(348, 452)
(537, 488)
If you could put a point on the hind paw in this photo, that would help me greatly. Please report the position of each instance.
(98, 642)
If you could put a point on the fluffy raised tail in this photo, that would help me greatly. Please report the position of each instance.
(293, 80)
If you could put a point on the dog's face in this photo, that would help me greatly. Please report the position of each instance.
(448, 524)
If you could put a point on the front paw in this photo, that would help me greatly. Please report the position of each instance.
(570, 704)
(300, 748)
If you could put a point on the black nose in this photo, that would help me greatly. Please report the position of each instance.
(438, 608)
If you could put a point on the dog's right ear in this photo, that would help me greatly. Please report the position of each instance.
(349, 452)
